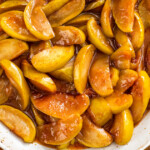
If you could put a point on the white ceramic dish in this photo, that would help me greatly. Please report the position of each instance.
(139, 141)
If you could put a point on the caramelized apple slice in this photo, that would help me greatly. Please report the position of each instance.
(106, 19)
(99, 111)
(144, 13)
(12, 48)
(60, 132)
(68, 35)
(81, 67)
(53, 58)
(140, 93)
(94, 5)
(82, 19)
(61, 105)
(99, 75)
(65, 73)
(123, 40)
(40, 80)
(126, 80)
(137, 36)
(122, 128)
(36, 20)
(97, 38)
(17, 79)
(18, 122)
(37, 116)
(37, 47)
(119, 102)
(12, 5)
(114, 75)
(13, 24)
(123, 12)
(92, 136)
(122, 57)
(65, 14)
(53, 6)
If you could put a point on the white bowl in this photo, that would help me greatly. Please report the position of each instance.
(139, 141)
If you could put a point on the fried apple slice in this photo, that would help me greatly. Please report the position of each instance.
(36, 21)
(53, 58)
(97, 38)
(82, 66)
(60, 132)
(137, 36)
(40, 80)
(12, 48)
(12, 5)
(123, 40)
(119, 102)
(92, 136)
(17, 79)
(68, 35)
(65, 14)
(53, 6)
(99, 75)
(122, 128)
(99, 111)
(106, 19)
(122, 57)
(126, 80)
(140, 93)
(123, 12)
(18, 122)
(144, 13)
(61, 105)
(13, 24)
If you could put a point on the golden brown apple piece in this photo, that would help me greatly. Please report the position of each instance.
(82, 66)
(67, 12)
(18, 122)
(17, 79)
(122, 128)
(12, 48)
(53, 6)
(60, 132)
(16, 28)
(126, 80)
(61, 105)
(68, 35)
(140, 93)
(36, 21)
(123, 13)
(92, 136)
(105, 19)
(99, 75)
(97, 38)
(119, 102)
(99, 111)
(49, 59)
